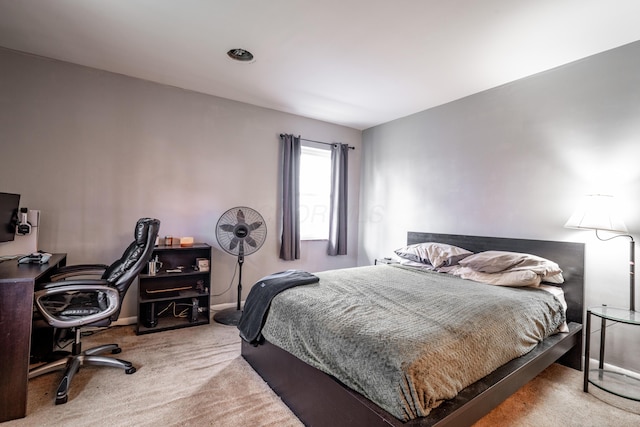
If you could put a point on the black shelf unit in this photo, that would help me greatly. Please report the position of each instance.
(172, 300)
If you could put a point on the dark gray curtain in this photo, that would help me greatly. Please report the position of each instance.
(338, 212)
(290, 243)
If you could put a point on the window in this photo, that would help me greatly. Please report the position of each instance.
(315, 193)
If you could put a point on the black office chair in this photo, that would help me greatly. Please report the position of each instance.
(72, 304)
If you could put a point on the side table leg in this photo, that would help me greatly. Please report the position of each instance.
(603, 330)
(587, 342)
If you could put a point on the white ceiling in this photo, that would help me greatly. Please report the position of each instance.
(357, 63)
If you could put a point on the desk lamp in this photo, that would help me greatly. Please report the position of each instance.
(597, 213)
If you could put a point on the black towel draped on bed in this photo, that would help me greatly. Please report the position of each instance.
(260, 296)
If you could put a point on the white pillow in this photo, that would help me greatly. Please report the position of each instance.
(556, 279)
(421, 265)
(433, 253)
(497, 261)
(501, 278)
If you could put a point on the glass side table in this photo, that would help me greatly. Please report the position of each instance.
(385, 261)
(608, 380)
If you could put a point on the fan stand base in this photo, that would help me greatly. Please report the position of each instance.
(228, 316)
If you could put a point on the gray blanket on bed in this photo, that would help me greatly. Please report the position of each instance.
(260, 296)
(408, 339)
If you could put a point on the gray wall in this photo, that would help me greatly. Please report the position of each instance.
(94, 151)
(513, 162)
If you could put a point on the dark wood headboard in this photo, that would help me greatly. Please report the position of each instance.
(568, 255)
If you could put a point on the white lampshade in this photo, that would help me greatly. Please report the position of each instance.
(597, 212)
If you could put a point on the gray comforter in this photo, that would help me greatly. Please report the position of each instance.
(408, 339)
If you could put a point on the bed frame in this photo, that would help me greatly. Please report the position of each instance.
(319, 399)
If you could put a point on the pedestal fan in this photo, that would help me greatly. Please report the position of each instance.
(240, 231)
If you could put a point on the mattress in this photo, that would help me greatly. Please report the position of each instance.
(408, 339)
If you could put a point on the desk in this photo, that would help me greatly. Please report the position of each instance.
(17, 284)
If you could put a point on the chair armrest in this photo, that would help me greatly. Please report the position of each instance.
(65, 285)
(112, 294)
(78, 270)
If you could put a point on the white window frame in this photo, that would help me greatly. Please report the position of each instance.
(315, 191)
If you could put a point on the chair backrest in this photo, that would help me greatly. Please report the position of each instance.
(121, 273)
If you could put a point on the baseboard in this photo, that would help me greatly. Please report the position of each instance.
(218, 307)
(132, 320)
(124, 321)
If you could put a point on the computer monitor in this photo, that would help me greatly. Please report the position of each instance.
(9, 205)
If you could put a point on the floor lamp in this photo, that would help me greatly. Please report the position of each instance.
(598, 213)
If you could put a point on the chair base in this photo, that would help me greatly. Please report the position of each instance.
(72, 363)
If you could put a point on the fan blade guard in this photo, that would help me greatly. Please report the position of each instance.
(239, 225)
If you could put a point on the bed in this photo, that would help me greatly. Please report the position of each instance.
(319, 399)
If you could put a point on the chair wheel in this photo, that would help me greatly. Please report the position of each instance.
(116, 350)
(130, 370)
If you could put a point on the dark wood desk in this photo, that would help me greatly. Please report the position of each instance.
(17, 284)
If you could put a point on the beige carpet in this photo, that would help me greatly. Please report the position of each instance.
(196, 376)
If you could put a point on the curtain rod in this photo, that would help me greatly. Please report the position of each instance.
(320, 142)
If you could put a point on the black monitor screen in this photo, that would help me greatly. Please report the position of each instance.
(9, 204)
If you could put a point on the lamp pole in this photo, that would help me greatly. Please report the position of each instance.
(632, 274)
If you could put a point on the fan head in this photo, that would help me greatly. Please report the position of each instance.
(241, 231)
